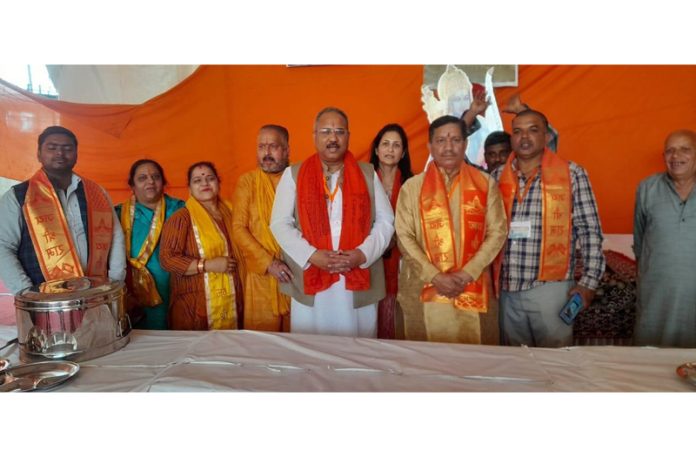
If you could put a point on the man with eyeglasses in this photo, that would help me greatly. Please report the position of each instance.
(333, 222)
(450, 225)
(58, 225)
(265, 307)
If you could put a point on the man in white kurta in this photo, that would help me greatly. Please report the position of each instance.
(335, 310)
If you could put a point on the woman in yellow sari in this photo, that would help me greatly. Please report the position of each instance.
(196, 249)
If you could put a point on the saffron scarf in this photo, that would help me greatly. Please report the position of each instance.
(211, 242)
(314, 219)
(140, 280)
(50, 234)
(53, 244)
(265, 194)
(438, 232)
(556, 215)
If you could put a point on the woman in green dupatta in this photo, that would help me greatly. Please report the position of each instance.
(142, 217)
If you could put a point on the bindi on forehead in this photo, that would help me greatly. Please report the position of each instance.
(202, 172)
(449, 134)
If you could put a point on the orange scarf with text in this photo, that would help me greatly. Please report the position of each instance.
(556, 214)
(50, 234)
(438, 232)
(314, 219)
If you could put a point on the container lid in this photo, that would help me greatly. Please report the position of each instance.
(68, 291)
(38, 376)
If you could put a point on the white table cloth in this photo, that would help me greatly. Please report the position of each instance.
(180, 361)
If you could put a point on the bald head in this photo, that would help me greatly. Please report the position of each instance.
(685, 133)
(680, 155)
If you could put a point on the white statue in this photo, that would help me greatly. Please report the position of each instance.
(454, 96)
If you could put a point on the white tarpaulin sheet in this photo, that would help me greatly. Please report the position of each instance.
(177, 361)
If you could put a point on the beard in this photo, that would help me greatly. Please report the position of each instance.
(270, 165)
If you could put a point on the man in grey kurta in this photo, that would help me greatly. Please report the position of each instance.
(664, 242)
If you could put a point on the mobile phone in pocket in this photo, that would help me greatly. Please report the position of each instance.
(571, 309)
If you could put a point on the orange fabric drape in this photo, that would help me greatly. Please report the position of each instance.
(612, 119)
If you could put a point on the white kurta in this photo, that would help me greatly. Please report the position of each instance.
(333, 312)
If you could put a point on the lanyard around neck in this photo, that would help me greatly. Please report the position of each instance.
(328, 194)
(527, 185)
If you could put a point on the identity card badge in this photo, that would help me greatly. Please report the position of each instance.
(520, 230)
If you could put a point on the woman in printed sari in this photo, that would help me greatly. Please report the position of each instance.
(197, 251)
(389, 155)
(142, 217)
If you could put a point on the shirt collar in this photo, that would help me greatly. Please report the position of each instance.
(74, 182)
(517, 171)
(448, 180)
(325, 169)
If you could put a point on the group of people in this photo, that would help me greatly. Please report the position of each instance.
(331, 245)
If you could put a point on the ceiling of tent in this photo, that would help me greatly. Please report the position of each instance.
(111, 85)
(115, 84)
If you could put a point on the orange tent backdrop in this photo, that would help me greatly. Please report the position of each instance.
(612, 120)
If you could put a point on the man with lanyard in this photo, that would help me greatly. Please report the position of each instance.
(265, 307)
(450, 225)
(550, 207)
(514, 106)
(333, 222)
(58, 225)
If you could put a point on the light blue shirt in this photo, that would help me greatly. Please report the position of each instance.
(11, 271)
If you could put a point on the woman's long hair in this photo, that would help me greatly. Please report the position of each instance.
(405, 162)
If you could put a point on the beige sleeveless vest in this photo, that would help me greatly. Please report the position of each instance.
(375, 293)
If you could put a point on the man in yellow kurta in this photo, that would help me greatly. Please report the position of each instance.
(265, 308)
(450, 225)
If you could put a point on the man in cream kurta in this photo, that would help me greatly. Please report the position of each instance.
(443, 322)
(335, 310)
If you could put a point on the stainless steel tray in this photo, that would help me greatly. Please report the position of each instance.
(687, 371)
(37, 376)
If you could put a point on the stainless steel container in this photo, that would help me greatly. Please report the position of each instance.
(76, 319)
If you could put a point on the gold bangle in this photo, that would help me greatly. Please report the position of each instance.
(200, 266)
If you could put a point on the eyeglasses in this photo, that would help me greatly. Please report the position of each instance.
(328, 131)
